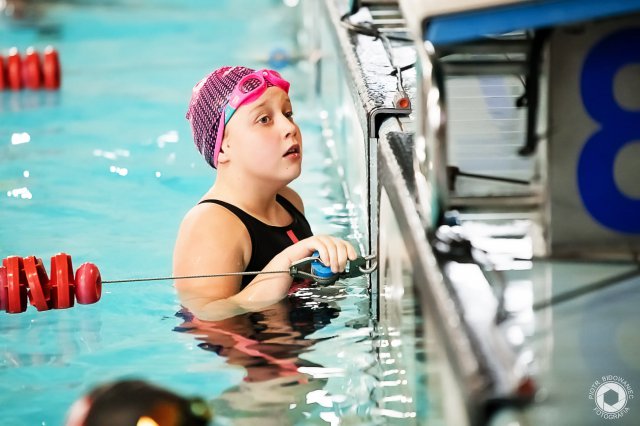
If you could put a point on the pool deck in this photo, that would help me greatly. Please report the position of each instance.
(569, 323)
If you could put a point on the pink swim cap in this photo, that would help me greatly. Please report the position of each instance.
(208, 101)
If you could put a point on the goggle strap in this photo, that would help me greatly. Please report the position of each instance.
(218, 144)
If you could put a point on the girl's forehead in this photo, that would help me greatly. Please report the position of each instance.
(272, 98)
(273, 95)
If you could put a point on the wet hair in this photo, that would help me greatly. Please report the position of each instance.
(125, 402)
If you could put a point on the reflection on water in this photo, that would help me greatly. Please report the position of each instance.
(314, 358)
(27, 342)
(269, 344)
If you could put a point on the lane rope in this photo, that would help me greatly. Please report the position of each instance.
(186, 277)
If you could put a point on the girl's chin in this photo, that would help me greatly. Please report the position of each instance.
(294, 171)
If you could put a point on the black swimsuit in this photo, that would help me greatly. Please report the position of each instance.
(267, 240)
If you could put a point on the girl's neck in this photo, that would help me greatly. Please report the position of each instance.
(258, 199)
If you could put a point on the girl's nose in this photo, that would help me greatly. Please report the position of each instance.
(289, 128)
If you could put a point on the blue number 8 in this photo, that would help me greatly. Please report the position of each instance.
(618, 127)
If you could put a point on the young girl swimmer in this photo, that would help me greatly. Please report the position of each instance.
(249, 220)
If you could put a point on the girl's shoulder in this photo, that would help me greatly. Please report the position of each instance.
(210, 216)
(207, 229)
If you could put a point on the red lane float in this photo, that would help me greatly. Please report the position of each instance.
(14, 70)
(16, 285)
(32, 71)
(51, 69)
(26, 278)
(88, 284)
(4, 83)
(38, 281)
(3, 288)
(62, 284)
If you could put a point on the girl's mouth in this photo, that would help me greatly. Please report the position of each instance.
(293, 150)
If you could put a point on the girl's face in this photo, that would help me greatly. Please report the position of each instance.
(263, 140)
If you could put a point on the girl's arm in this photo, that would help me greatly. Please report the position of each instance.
(213, 239)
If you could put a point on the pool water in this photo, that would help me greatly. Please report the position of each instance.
(107, 173)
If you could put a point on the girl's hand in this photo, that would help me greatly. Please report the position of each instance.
(334, 252)
(266, 289)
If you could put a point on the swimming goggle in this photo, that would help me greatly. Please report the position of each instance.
(249, 88)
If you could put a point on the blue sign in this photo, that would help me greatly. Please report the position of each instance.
(618, 127)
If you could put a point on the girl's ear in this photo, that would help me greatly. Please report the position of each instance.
(223, 156)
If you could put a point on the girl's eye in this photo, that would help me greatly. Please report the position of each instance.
(264, 119)
(288, 114)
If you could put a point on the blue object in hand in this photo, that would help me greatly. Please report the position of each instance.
(319, 269)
